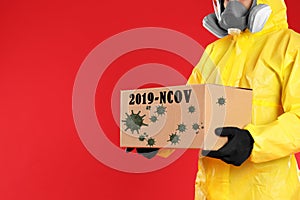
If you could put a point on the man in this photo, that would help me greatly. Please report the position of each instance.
(256, 50)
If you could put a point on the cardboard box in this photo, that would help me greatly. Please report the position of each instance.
(182, 116)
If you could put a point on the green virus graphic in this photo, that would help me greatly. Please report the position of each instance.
(174, 138)
(151, 142)
(134, 121)
(196, 126)
(181, 128)
(192, 109)
(153, 118)
(161, 110)
(221, 101)
(142, 137)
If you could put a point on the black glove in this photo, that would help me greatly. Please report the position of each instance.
(146, 152)
(236, 150)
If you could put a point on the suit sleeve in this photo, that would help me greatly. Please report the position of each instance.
(281, 137)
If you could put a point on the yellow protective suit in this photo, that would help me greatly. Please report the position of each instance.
(269, 63)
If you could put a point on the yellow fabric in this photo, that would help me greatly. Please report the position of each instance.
(268, 62)
(164, 152)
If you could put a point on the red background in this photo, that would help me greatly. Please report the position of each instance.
(43, 44)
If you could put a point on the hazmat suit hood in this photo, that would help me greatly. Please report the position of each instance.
(278, 17)
(263, 16)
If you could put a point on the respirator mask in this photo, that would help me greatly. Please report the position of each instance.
(236, 18)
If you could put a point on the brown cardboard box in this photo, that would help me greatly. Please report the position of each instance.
(182, 116)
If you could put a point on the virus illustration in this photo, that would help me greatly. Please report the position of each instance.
(174, 138)
(134, 121)
(161, 110)
(151, 142)
(153, 118)
(142, 137)
(181, 128)
(221, 101)
(191, 109)
(196, 126)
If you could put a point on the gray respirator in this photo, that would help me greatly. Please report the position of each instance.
(236, 17)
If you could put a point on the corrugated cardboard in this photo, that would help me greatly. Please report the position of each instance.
(182, 116)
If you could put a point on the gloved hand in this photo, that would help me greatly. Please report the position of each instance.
(236, 150)
(146, 152)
